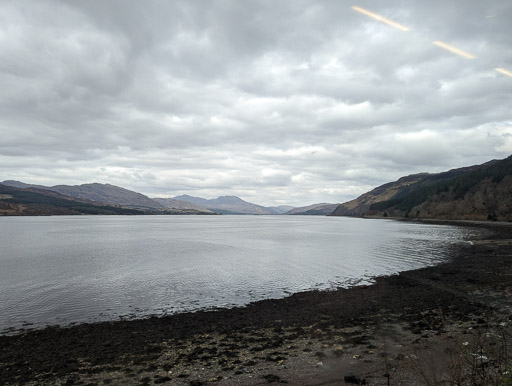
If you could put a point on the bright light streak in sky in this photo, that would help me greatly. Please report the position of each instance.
(505, 72)
(380, 18)
(453, 49)
(438, 43)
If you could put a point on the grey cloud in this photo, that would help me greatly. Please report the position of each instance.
(306, 101)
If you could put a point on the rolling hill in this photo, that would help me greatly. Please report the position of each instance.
(34, 202)
(100, 193)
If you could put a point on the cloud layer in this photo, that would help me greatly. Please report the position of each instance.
(277, 102)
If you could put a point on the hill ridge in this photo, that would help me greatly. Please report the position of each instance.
(477, 192)
(96, 192)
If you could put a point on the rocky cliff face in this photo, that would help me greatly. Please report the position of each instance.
(480, 192)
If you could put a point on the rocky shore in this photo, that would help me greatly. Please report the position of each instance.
(447, 324)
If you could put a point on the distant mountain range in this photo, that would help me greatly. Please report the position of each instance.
(18, 198)
(281, 209)
(107, 195)
(230, 205)
(172, 203)
(479, 192)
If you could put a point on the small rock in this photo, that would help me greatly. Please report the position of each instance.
(271, 378)
(158, 380)
(354, 379)
(338, 352)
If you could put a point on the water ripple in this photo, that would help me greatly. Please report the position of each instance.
(59, 270)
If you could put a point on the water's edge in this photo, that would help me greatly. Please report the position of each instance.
(485, 230)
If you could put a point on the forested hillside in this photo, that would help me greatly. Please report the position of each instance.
(481, 192)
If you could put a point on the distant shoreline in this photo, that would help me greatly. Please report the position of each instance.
(286, 339)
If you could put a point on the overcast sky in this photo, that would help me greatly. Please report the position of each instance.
(278, 102)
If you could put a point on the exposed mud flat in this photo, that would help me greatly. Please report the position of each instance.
(417, 327)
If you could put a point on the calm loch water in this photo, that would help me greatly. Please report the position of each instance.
(61, 270)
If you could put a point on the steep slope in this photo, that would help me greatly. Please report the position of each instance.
(478, 192)
(101, 193)
(361, 205)
(226, 204)
(488, 199)
(322, 209)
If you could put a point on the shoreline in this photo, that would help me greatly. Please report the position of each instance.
(310, 338)
(26, 327)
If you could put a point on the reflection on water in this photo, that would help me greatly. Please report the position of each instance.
(59, 270)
